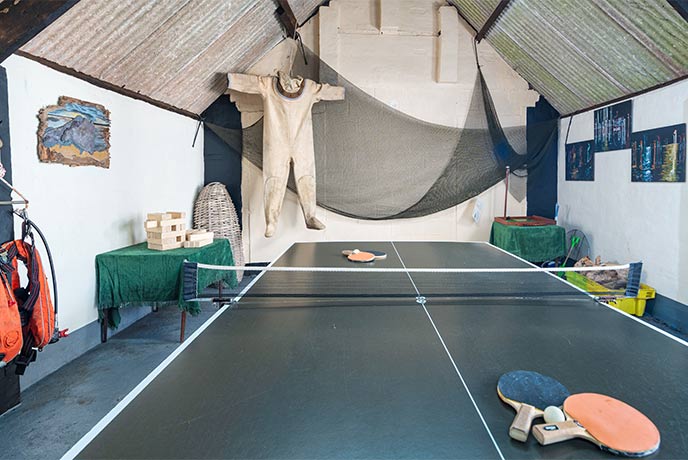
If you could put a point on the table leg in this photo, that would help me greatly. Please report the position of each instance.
(104, 326)
(183, 327)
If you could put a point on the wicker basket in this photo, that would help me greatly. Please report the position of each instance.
(215, 212)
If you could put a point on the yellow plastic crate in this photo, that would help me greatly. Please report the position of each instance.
(614, 297)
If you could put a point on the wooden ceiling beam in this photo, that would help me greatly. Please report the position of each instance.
(491, 20)
(21, 20)
(681, 7)
(287, 17)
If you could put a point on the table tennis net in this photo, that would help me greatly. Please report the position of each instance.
(361, 285)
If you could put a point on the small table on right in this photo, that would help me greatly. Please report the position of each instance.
(534, 243)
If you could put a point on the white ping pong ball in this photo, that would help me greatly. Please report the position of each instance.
(355, 251)
(553, 414)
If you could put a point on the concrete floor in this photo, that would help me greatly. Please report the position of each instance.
(658, 323)
(58, 410)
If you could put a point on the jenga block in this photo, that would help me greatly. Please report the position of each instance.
(165, 227)
(199, 236)
(164, 247)
(197, 244)
(150, 224)
(159, 216)
(178, 236)
(176, 215)
(171, 222)
(166, 239)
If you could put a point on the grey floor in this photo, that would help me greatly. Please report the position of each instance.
(665, 327)
(58, 410)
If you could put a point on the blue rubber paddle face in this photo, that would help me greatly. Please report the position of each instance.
(377, 253)
(532, 388)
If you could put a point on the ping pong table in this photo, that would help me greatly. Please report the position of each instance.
(401, 377)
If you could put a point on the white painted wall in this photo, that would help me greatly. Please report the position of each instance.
(86, 210)
(626, 221)
(393, 52)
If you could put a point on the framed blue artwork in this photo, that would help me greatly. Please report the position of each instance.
(580, 161)
(613, 127)
(74, 133)
(659, 155)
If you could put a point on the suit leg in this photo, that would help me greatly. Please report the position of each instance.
(305, 186)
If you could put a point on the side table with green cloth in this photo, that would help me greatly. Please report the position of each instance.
(532, 243)
(136, 275)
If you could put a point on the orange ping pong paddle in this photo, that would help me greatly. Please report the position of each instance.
(360, 256)
(379, 255)
(529, 393)
(612, 425)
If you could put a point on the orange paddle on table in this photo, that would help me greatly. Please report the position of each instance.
(360, 256)
(612, 425)
(379, 255)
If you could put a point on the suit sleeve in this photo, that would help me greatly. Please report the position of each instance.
(251, 84)
(325, 92)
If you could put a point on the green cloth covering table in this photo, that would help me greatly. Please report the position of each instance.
(136, 275)
(534, 244)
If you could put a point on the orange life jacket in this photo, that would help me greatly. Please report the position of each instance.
(10, 324)
(34, 302)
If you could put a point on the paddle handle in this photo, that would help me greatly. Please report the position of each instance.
(520, 427)
(551, 433)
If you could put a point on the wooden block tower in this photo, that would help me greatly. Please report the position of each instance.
(166, 230)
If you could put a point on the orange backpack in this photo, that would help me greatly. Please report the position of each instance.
(35, 304)
(10, 324)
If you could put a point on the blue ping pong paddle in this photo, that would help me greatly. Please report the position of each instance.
(529, 393)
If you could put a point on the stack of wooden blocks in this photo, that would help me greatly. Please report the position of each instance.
(167, 230)
(198, 238)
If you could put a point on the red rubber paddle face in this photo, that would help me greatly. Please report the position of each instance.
(361, 257)
(619, 427)
(379, 255)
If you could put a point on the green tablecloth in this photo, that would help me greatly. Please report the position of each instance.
(535, 244)
(136, 275)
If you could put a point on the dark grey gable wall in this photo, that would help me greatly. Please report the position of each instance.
(9, 382)
(222, 160)
(6, 224)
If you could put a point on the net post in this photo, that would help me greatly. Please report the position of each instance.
(506, 192)
(190, 280)
(633, 284)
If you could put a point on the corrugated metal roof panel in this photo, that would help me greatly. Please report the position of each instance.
(531, 71)
(303, 9)
(179, 40)
(176, 52)
(476, 12)
(246, 41)
(93, 36)
(580, 53)
(665, 36)
(577, 53)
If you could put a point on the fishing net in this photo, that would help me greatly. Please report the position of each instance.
(375, 162)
